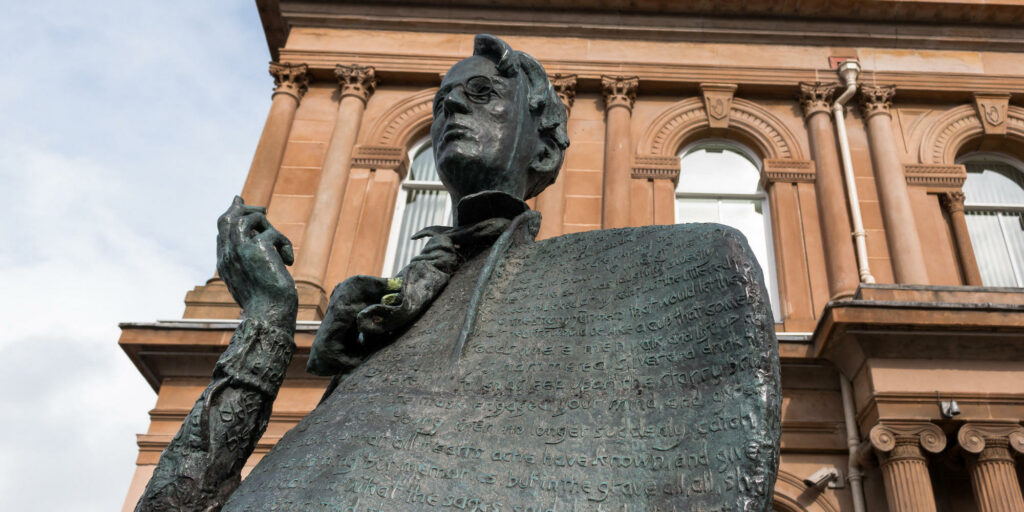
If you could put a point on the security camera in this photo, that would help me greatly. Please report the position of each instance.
(949, 409)
(824, 477)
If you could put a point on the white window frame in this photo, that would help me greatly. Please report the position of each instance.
(1000, 210)
(403, 195)
(761, 195)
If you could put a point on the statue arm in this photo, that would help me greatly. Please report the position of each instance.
(202, 465)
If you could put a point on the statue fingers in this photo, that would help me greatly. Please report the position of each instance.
(272, 238)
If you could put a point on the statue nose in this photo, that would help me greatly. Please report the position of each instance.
(455, 102)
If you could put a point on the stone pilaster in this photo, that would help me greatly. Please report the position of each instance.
(290, 83)
(991, 447)
(619, 95)
(953, 202)
(898, 445)
(551, 202)
(356, 84)
(897, 214)
(829, 192)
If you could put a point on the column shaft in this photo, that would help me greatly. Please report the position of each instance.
(908, 487)
(318, 237)
(900, 225)
(994, 479)
(954, 204)
(291, 83)
(840, 259)
(619, 94)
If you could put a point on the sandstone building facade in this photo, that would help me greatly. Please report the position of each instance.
(890, 227)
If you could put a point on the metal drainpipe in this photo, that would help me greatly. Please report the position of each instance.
(853, 473)
(848, 71)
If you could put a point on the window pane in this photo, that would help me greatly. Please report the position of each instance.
(746, 216)
(990, 249)
(717, 169)
(696, 210)
(1013, 232)
(421, 208)
(422, 168)
(993, 183)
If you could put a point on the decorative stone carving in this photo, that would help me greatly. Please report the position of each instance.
(718, 103)
(938, 176)
(683, 121)
(884, 435)
(395, 158)
(975, 436)
(355, 80)
(816, 97)
(619, 91)
(952, 201)
(787, 171)
(876, 99)
(993, 475)
(290, 79)
(405, 120)
(908, 488)
(565, 86)
(656, 168)
(992, 110)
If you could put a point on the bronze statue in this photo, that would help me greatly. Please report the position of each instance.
(632, 368)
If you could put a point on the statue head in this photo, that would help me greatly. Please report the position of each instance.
(498, 124)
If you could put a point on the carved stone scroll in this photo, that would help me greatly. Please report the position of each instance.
(565, 87)
(993, 475)
(908, 487)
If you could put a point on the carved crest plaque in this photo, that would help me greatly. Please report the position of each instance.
(630, 369)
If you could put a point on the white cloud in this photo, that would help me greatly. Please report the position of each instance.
(128, 126)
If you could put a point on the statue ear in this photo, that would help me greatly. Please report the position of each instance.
(547, 160)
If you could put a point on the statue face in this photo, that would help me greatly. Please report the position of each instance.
(482, 134)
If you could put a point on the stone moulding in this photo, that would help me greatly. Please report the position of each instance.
(935, 175)
(395, 158)
(791, 496)
(406, 119)
(948, 133)
(656, 168)
(781, 170)
(684, 120)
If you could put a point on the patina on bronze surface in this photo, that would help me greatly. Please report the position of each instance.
(628, 369)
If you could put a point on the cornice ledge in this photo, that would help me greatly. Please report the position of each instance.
(787, 170)
(381, 157)
(973, 436)
(656, 167)
(935, 175)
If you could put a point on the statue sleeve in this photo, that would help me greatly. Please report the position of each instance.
(202, 465)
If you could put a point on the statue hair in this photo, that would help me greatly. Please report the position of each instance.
(545, 105)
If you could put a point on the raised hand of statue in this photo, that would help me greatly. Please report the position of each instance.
(251, 258)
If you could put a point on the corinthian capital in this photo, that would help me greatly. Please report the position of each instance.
(619, 91)
(565, 86)
(816, 97)
(290, 79)
(974, 436)
(952, 201)
(887, 435)
(356, 80)
(876, 99)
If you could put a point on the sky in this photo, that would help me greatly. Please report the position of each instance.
(126, 128)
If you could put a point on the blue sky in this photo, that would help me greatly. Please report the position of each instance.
(125, 129)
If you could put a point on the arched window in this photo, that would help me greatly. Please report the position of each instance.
(719, 181)
(994, 208)
(422, 202)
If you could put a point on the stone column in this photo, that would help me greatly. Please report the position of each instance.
(991, 447)
(551, 202)
(908, 487)
(291, 82)
(357, 84)
(619, 96)
(953, 202)
(840, 259)
(897, 214)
